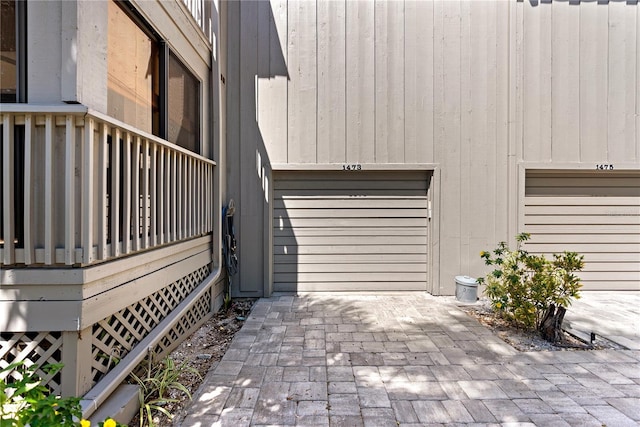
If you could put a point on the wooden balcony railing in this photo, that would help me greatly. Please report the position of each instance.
(201, 12)
(79, 187)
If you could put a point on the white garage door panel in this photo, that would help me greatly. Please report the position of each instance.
(354, 286)
(582, 229)
(373, 202)
(363, 212)
(351, 268)
(580, 201)
(363, 248)
(590, 240)
(611, 257)
(408, 183)
(590, 213)
(350, 231)
(383, 259)
(614, 249)
(348, 222)
(337, 276)
(593, 210)
(611, 266)
(590, 220)
(383, 240)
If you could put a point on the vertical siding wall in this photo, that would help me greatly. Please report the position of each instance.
(472, 87)
(378, 82)
(580, 76)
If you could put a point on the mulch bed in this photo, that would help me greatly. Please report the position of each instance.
(524, 340)
(202, 350)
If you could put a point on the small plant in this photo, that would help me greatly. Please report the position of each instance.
(156, 386)
(227, 301)
(27, 402)
(530, 290)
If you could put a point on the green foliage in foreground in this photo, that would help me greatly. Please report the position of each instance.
(27, 402)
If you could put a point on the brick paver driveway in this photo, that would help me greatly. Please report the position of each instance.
(408, 360)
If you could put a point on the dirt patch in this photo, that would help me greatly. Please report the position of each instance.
(201, 350)
(523, 340)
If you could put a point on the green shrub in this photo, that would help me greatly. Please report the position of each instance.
(27, 402)
(156, 385)
(524, 287)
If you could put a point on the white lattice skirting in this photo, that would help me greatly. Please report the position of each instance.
(31, 348)
(114, 336)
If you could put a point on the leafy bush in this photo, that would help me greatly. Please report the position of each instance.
(524, 287)
(27, 402)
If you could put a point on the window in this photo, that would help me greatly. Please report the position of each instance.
(13, 89)
(132, 61)
(12, 42)
(184, 106)
(148, 86)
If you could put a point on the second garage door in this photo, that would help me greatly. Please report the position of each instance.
(350, 231)
(596, 214)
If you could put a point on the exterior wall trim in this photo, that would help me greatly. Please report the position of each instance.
(435, 286)
(267, 251)
(147, 261)
(365, 166)
(434, 283)
(87, 302)
(584, 166)
(522, 173)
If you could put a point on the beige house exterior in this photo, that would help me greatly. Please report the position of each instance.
(515, 116)
(368, 146)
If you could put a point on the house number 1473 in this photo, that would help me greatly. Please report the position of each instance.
(352, 167)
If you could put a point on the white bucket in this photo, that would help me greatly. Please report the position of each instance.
(466, 289)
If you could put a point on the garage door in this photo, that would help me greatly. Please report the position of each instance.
(595, 214)
(350, 231)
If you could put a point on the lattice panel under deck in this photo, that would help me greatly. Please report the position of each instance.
(185, 326)
(31, 348)
(116, 335)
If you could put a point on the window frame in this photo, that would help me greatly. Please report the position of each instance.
(164, 53)
(21, 52)
(171, 53)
